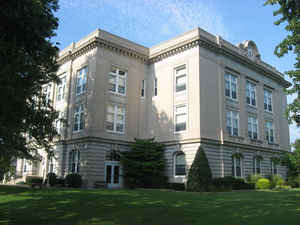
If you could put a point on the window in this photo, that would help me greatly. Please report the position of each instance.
(59, 123)
(51, 166)
(81, 81)
(230, 86)
(256, 165)
(115, 118)
(237, 165)
(155, 86)
(180, 164)
(61, 88)
(274, 167)
(232, 123)
(180, 118)
(79, 118)
(250, 51)
(251, 93)
(74, 161)
(268, 100)
(143, 89)
(117, 81)
(47, 92)
(180, 79)
(252, 127)
(25, 166)
(269, 132)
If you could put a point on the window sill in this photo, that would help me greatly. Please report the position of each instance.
(273, 144)
(256, 141)
(119, 94)
(115, 132)
(81, 93)
(252, 106)
(232, 100)
(236, 137)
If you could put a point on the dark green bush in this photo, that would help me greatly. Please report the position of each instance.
(51, 179)
(20, 182)
(231, 183)
(176, 186)
(74, 180)
(34, 180)
(253, 178)
(276, 180)
(221, 184)
(60, 181)
(263, 183)
(200, 176)
(294, 181)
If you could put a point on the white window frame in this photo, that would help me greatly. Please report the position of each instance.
(231, 133)
(178, 114)
(59, 124)
(79, 113)
(182, 68)
(61, 89)
(81, 81)
(250, 90)
(234, 159)
(269, 126)
(229, 77)
(255, 161)
(268, 100)
(143, 88)
(47, 91)
(76, 161)
(175, 164)
(115, 114)
(155, 87)
(117, 77)
(252, 121)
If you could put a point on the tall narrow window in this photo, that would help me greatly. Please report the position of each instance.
(230, 86)
(269, 132)
(117, 81)
(59, 122)
(115, 118)
(25, 166)
(180, 118)
(274, 167)
(257, 165)
(180, 79)
(74, 161)
(61, 88)
(252, 127)
(251, 93)
(250, 51)
(81, 81)
(155, 87)
(237, 166)
(268, 100)
(180, 164)
(232, 123)
(143, 88)
(79, 118)
(47, 92)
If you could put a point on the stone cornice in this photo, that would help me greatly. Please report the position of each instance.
(102, 43)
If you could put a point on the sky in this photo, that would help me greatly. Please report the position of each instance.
(149, 22)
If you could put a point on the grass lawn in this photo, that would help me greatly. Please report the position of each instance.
(22, 206)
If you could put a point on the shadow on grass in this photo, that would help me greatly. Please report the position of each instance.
(130, 207)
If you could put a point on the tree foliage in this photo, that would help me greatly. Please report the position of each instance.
(200, 176)
(292, 160)
(144, 165)
(289, 10)
(27, 62)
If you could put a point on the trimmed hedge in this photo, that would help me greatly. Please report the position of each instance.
(74, 180)
(263, 183)
(51, 179)
(294, 181)
(34, 180)
(176, 186)
(231, 183)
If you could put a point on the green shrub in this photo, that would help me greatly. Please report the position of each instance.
(276, 180)
(60, 182)
(51, 179)
(176, 186)
(294, 181)
(283, 188)
(74, 180)
(221, 184)
(34, 180)
(20, 182)
(263, 183)
(200, 176)
(253, 178)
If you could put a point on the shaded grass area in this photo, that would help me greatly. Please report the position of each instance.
(131, 207)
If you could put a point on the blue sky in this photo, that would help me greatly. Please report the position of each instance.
(149, 22)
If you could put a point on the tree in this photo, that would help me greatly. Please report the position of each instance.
(144, 165)
(290, 14)
(27, 62)
(292, 160)
(200, 176)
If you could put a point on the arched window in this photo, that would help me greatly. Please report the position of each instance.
(257, 165)
(74, 161)
(180, 164)
(237, 165)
